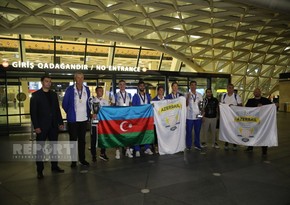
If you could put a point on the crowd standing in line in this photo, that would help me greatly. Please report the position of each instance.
(81, 107)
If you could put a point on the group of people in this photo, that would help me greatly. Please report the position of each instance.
(78, 105)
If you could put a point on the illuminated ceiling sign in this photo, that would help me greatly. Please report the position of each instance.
(62, 66)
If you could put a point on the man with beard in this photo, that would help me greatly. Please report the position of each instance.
(258, 101)
(141, 98)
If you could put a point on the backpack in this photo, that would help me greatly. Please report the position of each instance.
(226, 95)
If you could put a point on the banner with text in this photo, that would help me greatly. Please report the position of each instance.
(249, 126)
(170, 121)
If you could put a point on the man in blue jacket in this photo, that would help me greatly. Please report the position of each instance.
(76, 105)
(141, 98)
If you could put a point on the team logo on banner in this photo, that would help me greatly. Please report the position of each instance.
(171, 115)
(248, 126)
(170, 120)
(248, 122)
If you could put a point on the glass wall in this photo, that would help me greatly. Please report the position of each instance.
(17, 84)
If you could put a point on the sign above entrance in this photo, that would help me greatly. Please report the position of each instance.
(62, 66)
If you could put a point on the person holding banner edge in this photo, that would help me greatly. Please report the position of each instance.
(96, 103)
(231, 98)
(158, 97)
(258, 101)
(122, 98)
(141, 98)
(175, 93)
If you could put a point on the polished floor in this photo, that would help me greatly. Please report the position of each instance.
(214, 176)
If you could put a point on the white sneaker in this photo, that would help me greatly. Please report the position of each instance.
(128, 153)
(216, 146)
(117, 154)
(148, 151)
(137, 154)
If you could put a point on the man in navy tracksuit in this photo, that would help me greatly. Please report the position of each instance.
(141, 98)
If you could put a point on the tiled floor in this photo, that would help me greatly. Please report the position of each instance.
(212, 177)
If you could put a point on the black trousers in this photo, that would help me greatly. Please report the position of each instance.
(264, 149)
(52, 135)
(77, 132)
(94, 138)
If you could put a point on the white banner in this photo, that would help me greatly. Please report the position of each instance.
(249, 126)
(170, 121)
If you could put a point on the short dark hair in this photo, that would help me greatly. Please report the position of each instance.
(173, 83)
(141, 82)
(45, 76)
(120, 81)
(99, 87)
(193, 81)
(208, 89)
(159, 87)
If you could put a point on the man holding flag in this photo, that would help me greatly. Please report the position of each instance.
(122, 98)
(141, 98)
(258, 101)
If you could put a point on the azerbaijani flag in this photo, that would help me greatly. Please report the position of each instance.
(125, 126)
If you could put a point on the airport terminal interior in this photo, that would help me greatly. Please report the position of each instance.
(214, 42)
(212, 176)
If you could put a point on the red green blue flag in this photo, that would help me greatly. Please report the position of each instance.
(125, 126)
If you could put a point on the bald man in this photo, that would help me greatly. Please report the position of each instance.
(258, 101)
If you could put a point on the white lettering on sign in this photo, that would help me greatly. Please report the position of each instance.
(63, 66)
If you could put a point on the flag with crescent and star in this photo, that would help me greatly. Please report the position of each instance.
(125, 126)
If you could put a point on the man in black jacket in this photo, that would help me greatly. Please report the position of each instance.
(46, 119)
(258, 101)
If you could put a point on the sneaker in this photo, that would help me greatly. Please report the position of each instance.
(117, 154)
(57, 170)
(85, 163)
(148, 151)
(137, 154)
(226, 147)
(215, 145)
(264, 153)
(249, 150)
(156, 150)
(104, 157)
(197, 148)
(73, 165)
(128, 153)
(94, 159)
(203, 144)
(235, 148)
(40, 175)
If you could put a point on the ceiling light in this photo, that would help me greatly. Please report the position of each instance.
(196, 37)
(287, 48)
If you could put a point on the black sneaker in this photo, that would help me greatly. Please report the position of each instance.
(57, 170)
(104, 157)
(249, 150)
(73, 165)
(40, 175)
(94, 159)
(85, 163)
